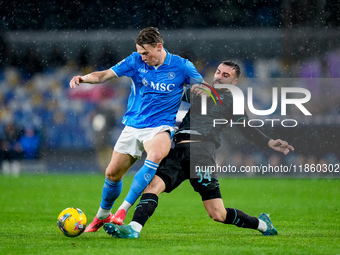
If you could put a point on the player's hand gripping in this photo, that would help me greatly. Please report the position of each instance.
(198, 89)
(280, 146)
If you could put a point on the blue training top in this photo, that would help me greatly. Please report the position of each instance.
(155, 92)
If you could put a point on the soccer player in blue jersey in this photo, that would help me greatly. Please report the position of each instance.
(196, 143)
(157, 87)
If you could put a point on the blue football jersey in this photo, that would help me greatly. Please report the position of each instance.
(155, 92)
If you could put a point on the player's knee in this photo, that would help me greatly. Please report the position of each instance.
(113, 178)
(112, 175)
(155, 156)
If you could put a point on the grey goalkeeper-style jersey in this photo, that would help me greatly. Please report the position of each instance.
(196, 126)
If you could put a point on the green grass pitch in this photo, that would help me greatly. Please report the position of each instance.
(304, 211)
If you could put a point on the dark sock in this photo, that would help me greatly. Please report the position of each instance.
(240, 219)
(145, 208)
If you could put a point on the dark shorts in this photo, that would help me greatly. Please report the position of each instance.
(191, 161)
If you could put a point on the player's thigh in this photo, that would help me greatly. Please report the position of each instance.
(174, 168)
(119, 164)
(158, 147)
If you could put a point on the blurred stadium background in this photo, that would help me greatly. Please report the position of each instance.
(44, 126)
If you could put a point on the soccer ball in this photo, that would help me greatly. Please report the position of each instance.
(72, 222)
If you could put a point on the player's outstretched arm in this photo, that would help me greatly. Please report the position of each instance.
(281, 146)
(93, 78)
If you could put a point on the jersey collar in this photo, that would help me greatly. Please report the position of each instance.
(168, 58)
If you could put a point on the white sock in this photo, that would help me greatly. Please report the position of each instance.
(136, 226)
(262, 226)
(126, 206)
(103, 213)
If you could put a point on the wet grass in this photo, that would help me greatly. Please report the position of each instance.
(304, 211)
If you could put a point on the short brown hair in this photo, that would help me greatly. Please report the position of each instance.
(235, 66)
(149, 35)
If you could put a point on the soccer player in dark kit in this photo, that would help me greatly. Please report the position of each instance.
(196, 142)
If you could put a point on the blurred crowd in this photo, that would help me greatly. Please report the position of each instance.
(175, 14)
(39, 112)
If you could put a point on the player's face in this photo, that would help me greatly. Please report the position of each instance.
(225, 75)
(150, 54)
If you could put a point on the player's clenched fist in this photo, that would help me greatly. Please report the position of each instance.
(75, 81)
